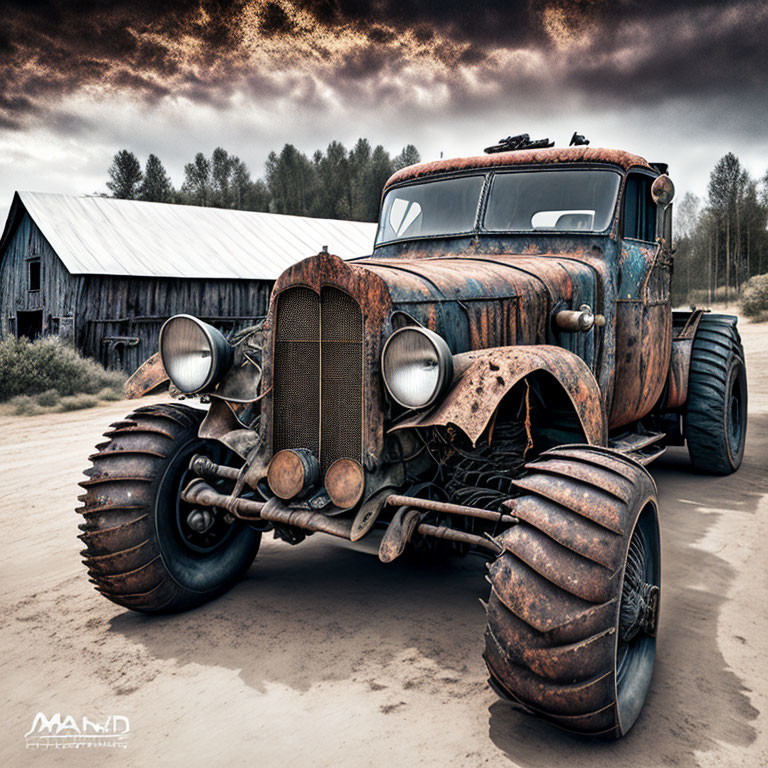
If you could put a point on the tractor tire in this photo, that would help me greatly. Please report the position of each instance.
(715, 419)
(140, 551)
(573, 609)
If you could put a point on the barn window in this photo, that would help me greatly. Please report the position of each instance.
(34, 275)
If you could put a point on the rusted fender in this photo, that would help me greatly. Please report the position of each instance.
(148, 376)
(485, 376)
(680, 360)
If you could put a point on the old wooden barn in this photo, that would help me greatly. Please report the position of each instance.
(107, 273)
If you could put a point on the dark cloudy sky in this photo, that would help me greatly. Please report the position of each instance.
(675, 80)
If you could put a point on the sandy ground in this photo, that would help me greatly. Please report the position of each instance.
(325, 657)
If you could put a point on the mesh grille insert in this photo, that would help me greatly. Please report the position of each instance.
(296, 414)
(341, 374)
(318, 374)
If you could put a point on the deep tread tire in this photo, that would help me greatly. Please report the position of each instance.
(715, 423)
(556, 589)
(130, 555)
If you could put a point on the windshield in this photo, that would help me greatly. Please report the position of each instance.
(519, 201)
(552, 200)
(433, 208)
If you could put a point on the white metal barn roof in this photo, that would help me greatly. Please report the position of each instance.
(104, 236)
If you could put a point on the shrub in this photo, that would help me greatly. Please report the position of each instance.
(754, 302)
(32, 368)
(24, 405)
(77, 402)
(111, 394)
(49, 398)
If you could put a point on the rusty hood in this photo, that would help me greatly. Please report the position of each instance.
(477, 300)
(474, 301)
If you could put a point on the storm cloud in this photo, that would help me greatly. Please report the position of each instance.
(674, 80)
(444, 56)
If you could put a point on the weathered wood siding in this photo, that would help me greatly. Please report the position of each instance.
(57, 296)
(120, 318)
(117, 320)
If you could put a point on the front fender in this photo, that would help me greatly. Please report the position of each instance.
(485, 376)
(148, 376)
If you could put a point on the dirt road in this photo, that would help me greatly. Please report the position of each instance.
(325, 657)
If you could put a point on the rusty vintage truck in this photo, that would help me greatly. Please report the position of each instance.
(492, 380)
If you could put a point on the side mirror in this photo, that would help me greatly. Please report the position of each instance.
(662, 190)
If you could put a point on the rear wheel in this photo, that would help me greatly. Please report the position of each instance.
(716, 410)
(145, 548)
(572, 614)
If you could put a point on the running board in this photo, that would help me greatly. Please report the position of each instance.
(648, 454)
(642, 447)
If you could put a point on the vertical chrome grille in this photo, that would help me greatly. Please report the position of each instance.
(318, 374)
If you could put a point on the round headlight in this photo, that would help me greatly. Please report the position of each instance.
(417, 366)
(194, 354)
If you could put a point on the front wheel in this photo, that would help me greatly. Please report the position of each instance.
(145, 548)
(573, 610)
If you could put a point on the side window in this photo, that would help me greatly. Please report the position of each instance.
(34, 275)
(639, 208)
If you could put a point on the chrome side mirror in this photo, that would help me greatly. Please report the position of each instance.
(662, 190)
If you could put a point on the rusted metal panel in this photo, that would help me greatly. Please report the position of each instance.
(479, 300)
(487, 375)
(685, 325)
(150, 375)
(554, 156)
(643, 331)
(474, 300)
(512, 302)
(679, 368)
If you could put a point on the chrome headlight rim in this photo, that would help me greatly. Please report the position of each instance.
(444, 362)
(220, 351)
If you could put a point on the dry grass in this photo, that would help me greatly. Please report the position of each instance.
(48, 376)
(34, 368)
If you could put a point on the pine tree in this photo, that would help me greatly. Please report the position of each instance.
(222, 165)
(198, 186)
(125, 175)
(247, 195)
(382, 168)
(361, 182)
(409, 156)
(333, 184)
(292, 181)
(156, 186)
(333, 175)
(258, 197)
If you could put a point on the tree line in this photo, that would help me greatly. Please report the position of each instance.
(721, 241)
(335, 184)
